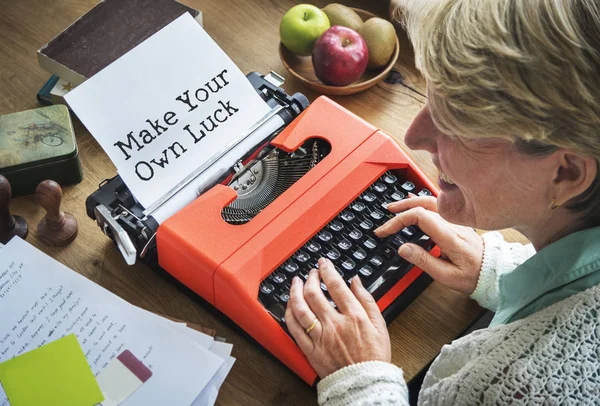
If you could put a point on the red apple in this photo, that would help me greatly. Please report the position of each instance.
(340, 56)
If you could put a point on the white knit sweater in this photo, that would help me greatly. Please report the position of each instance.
(550, 357)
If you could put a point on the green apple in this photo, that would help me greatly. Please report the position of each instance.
(301, 26)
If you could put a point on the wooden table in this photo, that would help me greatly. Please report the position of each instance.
(248, 32)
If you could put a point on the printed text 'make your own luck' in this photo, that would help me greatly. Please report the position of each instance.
(135, 142)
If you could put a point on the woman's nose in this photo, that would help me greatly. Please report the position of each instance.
(422, 132)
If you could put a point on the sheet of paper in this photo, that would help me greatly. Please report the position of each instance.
(166, 107)
(222, 349)
(42, 300)
(209, 394)
(190, 192)
(54, 374)
(198, 337)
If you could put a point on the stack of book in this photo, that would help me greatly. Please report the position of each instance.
(98, 38)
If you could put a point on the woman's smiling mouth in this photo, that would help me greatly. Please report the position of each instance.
(445, 177)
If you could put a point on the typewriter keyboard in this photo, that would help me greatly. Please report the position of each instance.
(349, 242)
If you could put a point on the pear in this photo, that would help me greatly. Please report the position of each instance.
(380, 36)
(339, 14)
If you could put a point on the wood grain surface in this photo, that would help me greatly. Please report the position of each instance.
(249, 32)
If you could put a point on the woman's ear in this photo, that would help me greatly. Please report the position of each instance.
(574, 174)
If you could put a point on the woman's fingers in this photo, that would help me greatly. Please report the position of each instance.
(426, 202)
(368, 303)
(431, 223)
(298, 332)
(315, 298)
(301, 309)
(339, 292)
(437, 268)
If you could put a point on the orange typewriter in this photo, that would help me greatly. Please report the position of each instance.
(318, 188)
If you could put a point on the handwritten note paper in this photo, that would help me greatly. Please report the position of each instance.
(54, 374)
(166, 107)
(41, 300)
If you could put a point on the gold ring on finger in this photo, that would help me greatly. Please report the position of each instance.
(312, 326)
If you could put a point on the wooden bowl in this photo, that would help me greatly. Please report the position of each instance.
(301, 68)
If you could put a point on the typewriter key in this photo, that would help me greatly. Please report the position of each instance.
(369, 197)
(376, 261)
(397, 196)
(370, 243)
(313, 246)
(301, 256)
(379, 187)
(365, 271)
(359, 254)
(347, 216)
(344, 244)
(336, 226)
(377, 215)
(358, 206)
(348, 264)
(389, 178)
(278, 278)
(290, 266)
(366, 224)
(408, 187)
(266, 288)
(325, 236)
(333, 254)
(355, 234)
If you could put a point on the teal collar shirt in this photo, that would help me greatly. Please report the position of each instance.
(563, 268)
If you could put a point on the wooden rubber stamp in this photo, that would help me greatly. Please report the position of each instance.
(9, 225)
(57, 228)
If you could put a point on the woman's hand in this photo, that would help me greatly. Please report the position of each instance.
(356, 333)
(461, 247)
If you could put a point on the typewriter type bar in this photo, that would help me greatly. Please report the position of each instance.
(354, 170)
(123, 219)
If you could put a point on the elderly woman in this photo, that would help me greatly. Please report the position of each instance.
(512, 123)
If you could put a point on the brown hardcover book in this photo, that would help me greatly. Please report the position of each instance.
(105, 33)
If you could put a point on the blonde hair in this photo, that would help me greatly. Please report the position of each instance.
(523, 70)
(514, 69)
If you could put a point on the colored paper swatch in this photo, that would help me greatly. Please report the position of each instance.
(121, 377)
(55, 374)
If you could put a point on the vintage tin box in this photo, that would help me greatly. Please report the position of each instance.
(36, 145)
